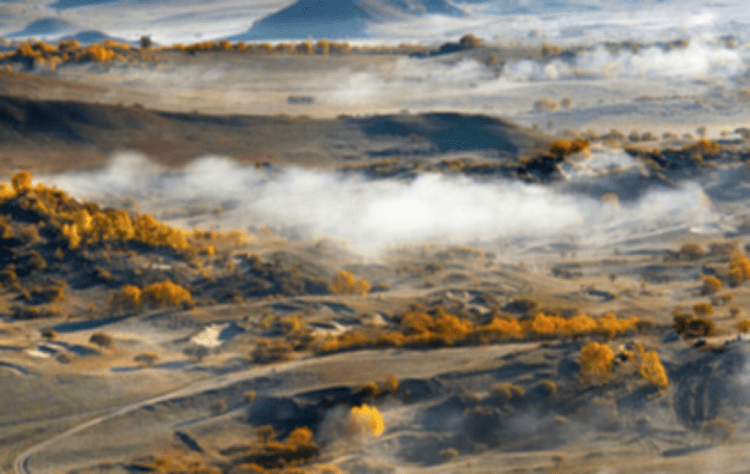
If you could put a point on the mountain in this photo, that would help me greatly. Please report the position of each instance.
(45, 27)
(340, 19)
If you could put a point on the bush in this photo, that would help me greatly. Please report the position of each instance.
(102, 339)
(691, 251)
(166, 293)
(390, 384)
(469, 41)
(505, 392)
(127, 298)
(710, 284)
(546, 387)
(21, 182)
(703, 309)
(368, 390)
(566, 147)
(704, 147)
(146, 359)
(596, 362)
(544, 104)
(344, 283)
(367, 420)
(650, 367)
(700, 327)
(718, 429)
(739, 268)
(266, 351)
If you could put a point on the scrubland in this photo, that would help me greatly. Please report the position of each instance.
(156, 322)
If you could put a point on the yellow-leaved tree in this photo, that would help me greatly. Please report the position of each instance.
(596, 362)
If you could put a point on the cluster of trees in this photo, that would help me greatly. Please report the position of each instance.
(703, 146)
(85, 223)
(49, 55)
(597, 360)
(162, 294)
(344, 283)
(422, 330)
(564, 147)
(304, 47)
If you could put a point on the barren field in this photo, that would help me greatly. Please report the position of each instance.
(378, 261)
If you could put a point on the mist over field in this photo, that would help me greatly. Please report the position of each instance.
(373, 215)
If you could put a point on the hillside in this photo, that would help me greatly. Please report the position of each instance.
(341, 19)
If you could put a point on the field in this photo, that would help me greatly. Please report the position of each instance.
(313, 258)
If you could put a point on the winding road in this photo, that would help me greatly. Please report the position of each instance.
(21, 463)
(345, 365)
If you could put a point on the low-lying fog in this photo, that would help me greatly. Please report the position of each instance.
(374, 214)
(656, 88)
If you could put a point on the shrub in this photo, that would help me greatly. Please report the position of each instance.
(544, 104)
(681, 323)
(710, 284)
(744, 325)
(416, 323)
(718, 429)
(700, 327)
(165, 293)
(266, 351)
(596, 362)
(343, 283)
(390, 384)
(451, 329)
(301, 436)
(470, 41)
(323, 47)
(146, 359)
(691, 251)
(102, 339)
(505, 392)
(49, 333)
(367, 420)
(547, 387)
(127, 298)
(704, 147)
(650, 367)
(703, 309)
(21, 182)
(566, 147)
(739, 268)
(368, 390)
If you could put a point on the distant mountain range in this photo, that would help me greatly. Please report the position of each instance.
(338, 19)
(57, 29)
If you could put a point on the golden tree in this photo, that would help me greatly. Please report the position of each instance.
(650, 367)
(343, 283)
(366, 419)
(596, 362)
(165, 293)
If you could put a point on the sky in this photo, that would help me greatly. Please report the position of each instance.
(561, 21)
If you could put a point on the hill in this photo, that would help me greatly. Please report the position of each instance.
(343, 19)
